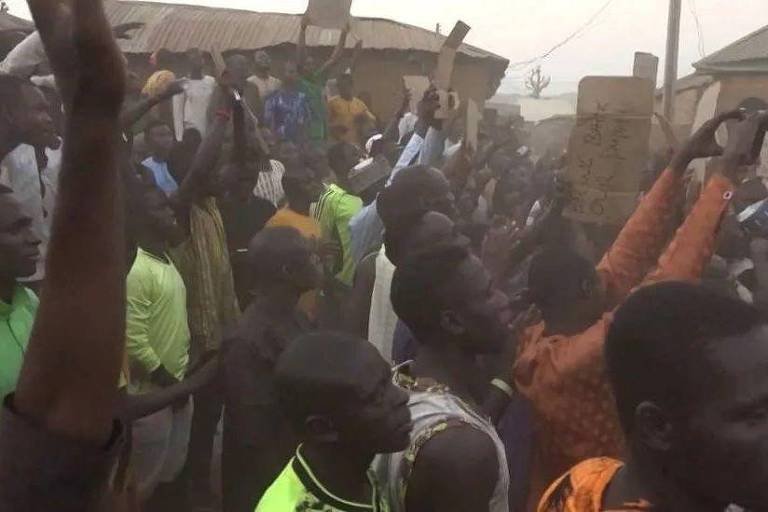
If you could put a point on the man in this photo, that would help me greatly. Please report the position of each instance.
(257, 440)
(336, 207)
(302, 188)
(190, 108)
(560, 364)
(203, 261)
(696, 431)
(18, 304)
(160, 141)
(63, 408)
(287, 111)
(402, 206)
(455, 460)
(261, 77)
(313, 80)
(157, 345)
(338, 393)
(344, 111)
(26, 130)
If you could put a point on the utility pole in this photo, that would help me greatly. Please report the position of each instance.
(673, 54)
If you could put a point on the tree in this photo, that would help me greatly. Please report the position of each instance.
(536, 82)
(3, 6)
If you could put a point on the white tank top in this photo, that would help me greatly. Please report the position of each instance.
(433, 409)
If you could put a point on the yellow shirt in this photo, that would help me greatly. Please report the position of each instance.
(304, 224)
(342, 113)
(309, 228)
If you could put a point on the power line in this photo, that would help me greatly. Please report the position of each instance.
(578, 32)
(697, 21)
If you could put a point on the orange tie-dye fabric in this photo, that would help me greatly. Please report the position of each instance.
(582, 489)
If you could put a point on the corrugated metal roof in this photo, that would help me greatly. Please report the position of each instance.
(11, 22)
(748, 54)
(178, 27)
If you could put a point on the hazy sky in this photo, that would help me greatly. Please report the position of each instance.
(524, 29)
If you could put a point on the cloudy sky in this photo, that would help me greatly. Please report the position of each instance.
(525, 29)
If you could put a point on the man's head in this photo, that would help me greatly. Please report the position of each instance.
(301, 185)
(346, 86)
(417, 188)
(239, 69)
(309, 66)
(291, 74)
(262, 63)
(238, 181)
(19, 250)
(195, 58)
(566, 288)
(160, 140)
(282, 257)
(339, 390)
(689, 370)
(157, 220)
(445, 296)
(24, 113)
(343, 157)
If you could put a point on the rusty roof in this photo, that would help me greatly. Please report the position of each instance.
(178, 27)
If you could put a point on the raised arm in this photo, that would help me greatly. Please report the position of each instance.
(331, 63)
(68, 384)
(301, 47)
(131, 114)
(693, 244)
(638, 246)
(193, 187)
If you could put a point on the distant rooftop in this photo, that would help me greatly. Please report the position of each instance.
(747, 55)
(178, 27)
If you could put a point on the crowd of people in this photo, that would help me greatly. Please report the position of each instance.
(224, 291)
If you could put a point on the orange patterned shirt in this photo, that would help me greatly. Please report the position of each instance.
(582, 489)
(564, 376)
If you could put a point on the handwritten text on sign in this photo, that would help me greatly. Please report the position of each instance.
(608, 148)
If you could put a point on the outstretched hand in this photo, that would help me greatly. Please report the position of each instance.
(703, 144)
(744, 145)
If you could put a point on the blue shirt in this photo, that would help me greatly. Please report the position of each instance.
(287, 114)
(162, 175)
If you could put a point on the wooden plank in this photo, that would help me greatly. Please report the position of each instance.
(608, 148)
(445, 61)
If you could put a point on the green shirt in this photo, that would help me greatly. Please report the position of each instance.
(157, 332)
(16, 320)
(334, 210)
(297, 489)
(313, 86)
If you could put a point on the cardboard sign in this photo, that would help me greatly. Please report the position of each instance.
(608, 148)
(646, 66)
(445, 60)
(418, 85)
(333, 14)
(473, 123)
